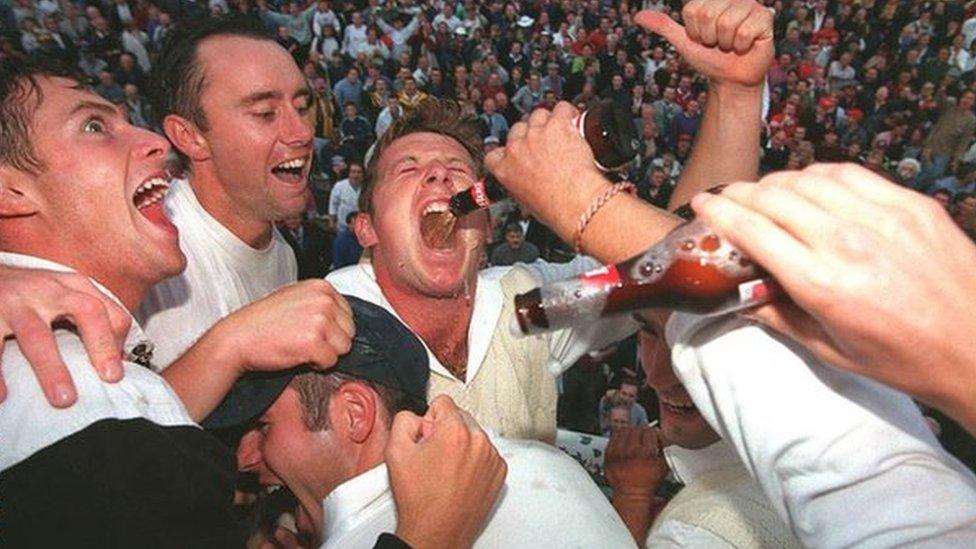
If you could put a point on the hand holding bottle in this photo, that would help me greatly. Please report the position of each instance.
(881, 279)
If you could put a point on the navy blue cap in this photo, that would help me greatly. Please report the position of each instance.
(383, 351)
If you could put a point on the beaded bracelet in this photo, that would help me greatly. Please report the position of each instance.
(584, 220)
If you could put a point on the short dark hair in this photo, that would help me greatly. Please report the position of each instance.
(434, 115)
(18, 83)
(513, 228)
(315, 390)
(177, 77)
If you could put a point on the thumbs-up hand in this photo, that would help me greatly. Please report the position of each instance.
(729, 41)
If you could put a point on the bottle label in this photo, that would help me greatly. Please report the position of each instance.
(602, 276)
(479, 194)
(755, 292)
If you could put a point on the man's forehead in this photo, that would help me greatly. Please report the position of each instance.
(61, 96)
(425, 145)
(254, 63)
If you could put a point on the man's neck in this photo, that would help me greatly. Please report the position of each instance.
(442, 323)
(211, 194)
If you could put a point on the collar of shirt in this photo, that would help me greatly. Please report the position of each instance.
(353, 501)
(137, 347)
(687, 465)
(360, 281)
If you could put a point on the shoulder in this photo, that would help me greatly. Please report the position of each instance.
(140, 393)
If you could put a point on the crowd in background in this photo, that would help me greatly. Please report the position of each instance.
(884, 83)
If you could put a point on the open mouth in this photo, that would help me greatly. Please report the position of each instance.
(437, 225)
(148, 200)
(292, 171)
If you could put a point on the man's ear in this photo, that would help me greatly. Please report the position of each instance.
(357, 410)
(363, 227)
(14, 201)
(186, 137)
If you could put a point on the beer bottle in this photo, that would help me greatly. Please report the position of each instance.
(692, 270)
(609, 131)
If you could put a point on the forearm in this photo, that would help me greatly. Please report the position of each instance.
(636, 512)
(205, 373)
(727, 146)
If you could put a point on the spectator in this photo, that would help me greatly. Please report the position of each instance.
(514, 249)
(349, 89)
(624, 396)
(345, 197)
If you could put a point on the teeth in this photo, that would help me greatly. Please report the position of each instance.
(291, 164)
(149, 192)
(436, 207)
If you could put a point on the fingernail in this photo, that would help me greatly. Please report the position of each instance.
(63, 394)
(113, 371)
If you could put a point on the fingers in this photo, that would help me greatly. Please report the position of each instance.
(517, 132)
(785, 317)
(564, 111)
(40, 348)
(761, 239)
(727, 25)
(864, 183)
(119, 319)
(708, 16)
(538, 118)
(660, 24)
(407, 429)
(91, 318)
(801, 218)
(757, 26)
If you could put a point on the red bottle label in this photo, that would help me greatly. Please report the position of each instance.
(603, 276)
(480, 194)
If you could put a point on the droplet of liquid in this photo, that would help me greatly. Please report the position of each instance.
(710, 243)
(647, 269)
(687, 245)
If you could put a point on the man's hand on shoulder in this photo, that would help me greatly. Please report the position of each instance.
(445, 474)
(33, 301)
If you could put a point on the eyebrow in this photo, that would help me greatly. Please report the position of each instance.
(94, 105)
(259, 96)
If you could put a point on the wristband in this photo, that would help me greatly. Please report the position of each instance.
(584, 219)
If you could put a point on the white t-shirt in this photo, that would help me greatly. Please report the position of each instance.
(548, 501)
(842, 459)
(343, 200)
(222, 275)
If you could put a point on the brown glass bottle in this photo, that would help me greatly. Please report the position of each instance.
(691, 270)
(609, 131)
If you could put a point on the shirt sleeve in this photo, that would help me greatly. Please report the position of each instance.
(822, 443)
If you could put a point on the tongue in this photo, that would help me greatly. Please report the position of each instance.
(157, 216)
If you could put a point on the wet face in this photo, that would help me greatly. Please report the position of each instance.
(103, 181)
(416, 177)
(680, 421)
(259, 136)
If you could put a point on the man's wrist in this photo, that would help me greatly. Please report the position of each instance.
(223, 349)
(731, 91)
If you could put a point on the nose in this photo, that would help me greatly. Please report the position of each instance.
(152, 146)
(296, 128)
(437, 173)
